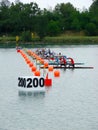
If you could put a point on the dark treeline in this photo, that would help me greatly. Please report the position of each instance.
(17, 18)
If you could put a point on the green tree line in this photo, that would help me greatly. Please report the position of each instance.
(18, 18)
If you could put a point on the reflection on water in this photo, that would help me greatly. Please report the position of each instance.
(34, 94)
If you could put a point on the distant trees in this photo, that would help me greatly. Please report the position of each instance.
(91, 29)
(18, 18)
(66, 11)
(93, 11)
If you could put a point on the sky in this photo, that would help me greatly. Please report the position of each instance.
(79, 4)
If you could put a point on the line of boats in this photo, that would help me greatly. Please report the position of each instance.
(57, 60)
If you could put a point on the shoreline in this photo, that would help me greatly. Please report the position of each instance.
(69, 40)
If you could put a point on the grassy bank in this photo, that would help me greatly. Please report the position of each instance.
(72, 40)
(6, 42)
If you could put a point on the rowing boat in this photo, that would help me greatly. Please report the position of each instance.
(56, 63)
(67, 67)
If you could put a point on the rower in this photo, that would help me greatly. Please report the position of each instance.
(57, 60)
(62, 61)
(71, 62)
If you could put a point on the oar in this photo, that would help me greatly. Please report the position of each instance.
(79, 63)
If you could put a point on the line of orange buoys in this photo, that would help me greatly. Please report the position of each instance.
(43, 62)
(38, 58)
(29, 63)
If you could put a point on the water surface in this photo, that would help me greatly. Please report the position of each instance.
(70, 104)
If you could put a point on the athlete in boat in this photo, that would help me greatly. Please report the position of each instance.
(63, 61)
(71, 62)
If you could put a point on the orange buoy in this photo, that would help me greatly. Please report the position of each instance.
(28, 61)
(42, 61)
(24, 56)
(37, 73)
(39, 58)
(46, 64)
(47, 81)
(29, 52)
(33, 68)
(21, 51)
(18, 50)
(50, 68)
(31, 64)
(56, 73)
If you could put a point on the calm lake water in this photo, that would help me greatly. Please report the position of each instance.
(70, 104)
